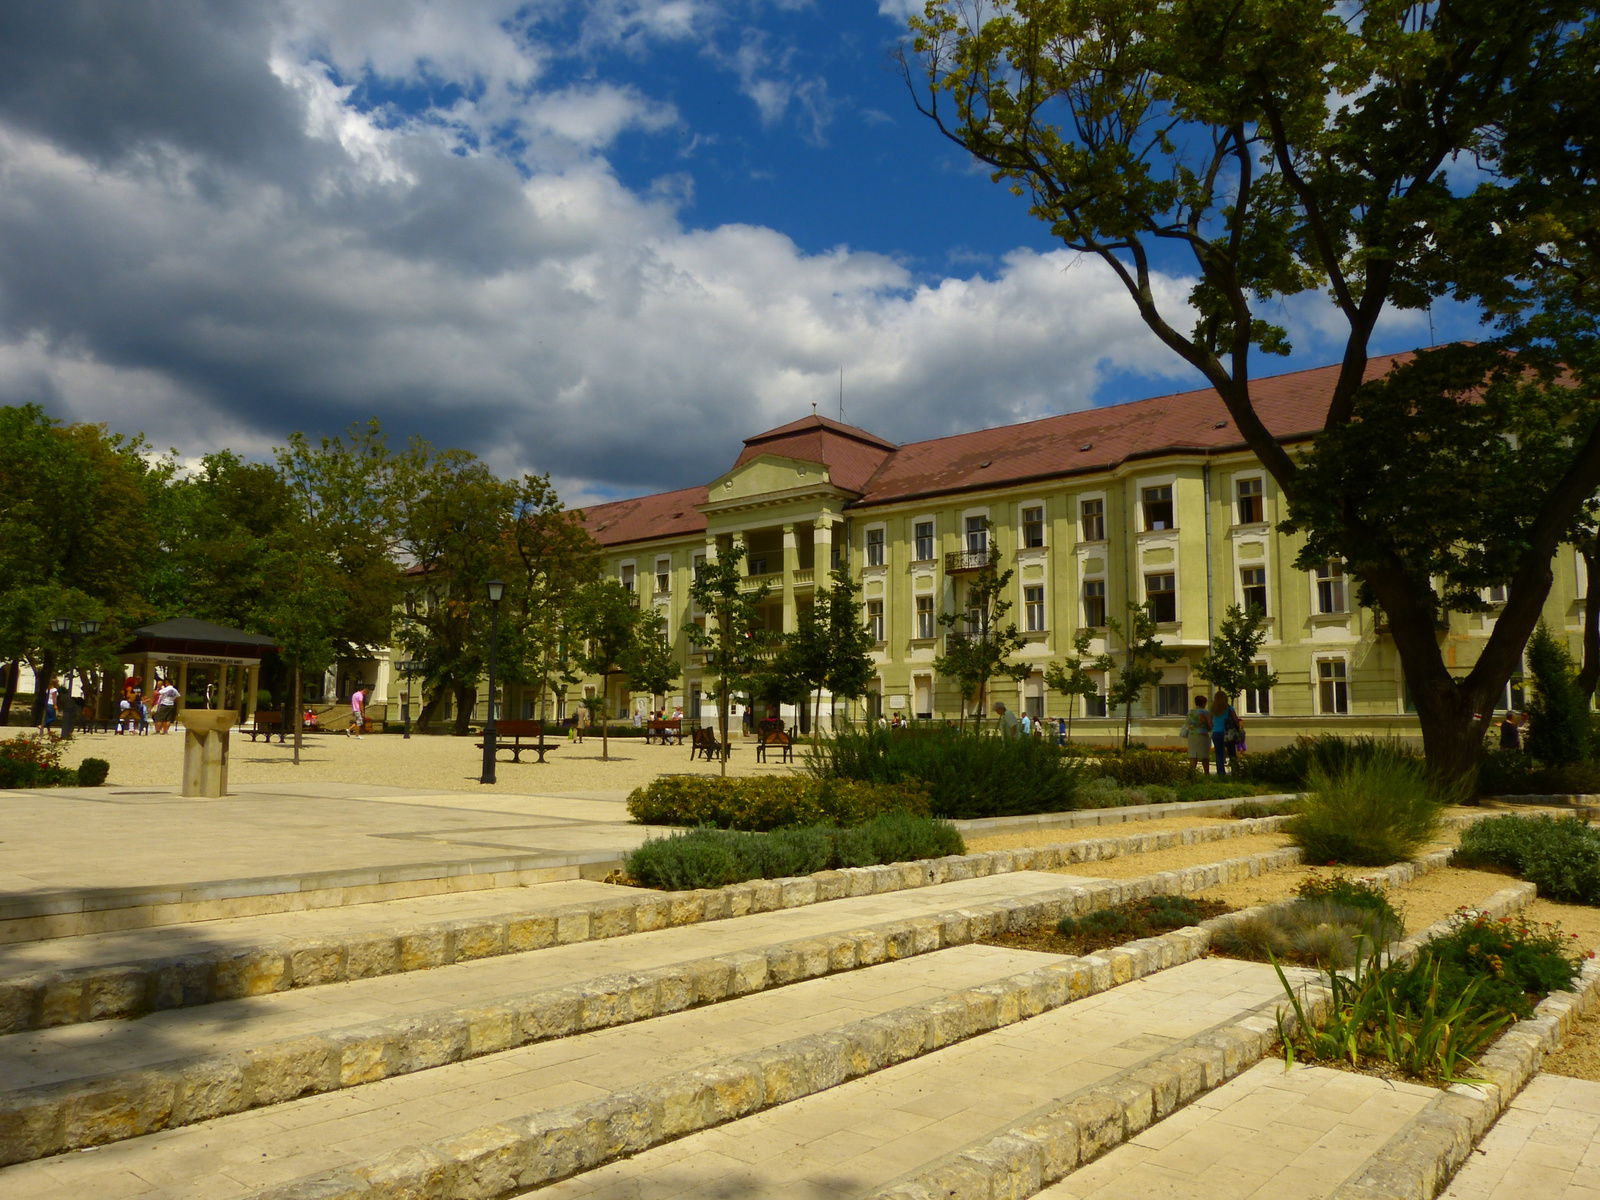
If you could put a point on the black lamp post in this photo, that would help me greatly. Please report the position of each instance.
(497, 589)
(85, 628)
(407, 669)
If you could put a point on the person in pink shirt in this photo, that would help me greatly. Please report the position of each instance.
(358, 713)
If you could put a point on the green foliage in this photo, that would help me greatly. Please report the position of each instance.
(1230, 664)
(966, 775)
(1289, 767)
(92, 772)
(621, 637)
(1520, 961)
(707, 857)
(734, 638)
(1562, 857)
(979, 645)
(1134, 919)
(1558, 711)
(33, 761)
(1140, 768)
(770, 801)
(1099, 923)
(1070, 675)
(1353, 893)
(1371, 813)
(1142, 650)
(1515, 773)
(1316, 932)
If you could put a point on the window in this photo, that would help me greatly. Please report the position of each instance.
(1095, 705)
(925, 617)
(699, 566)
(758, 566)
(1254, 587)
(1513, 698)
(875, 705)
(974, 621)
(1094, 603)
(663, 575)
(627, 577)
(834, 556)
(1033, 527)
(1251, 508)
(1496, 593)
(1161, 597)
(1033, 607)
(1033, 697)
(1158, 507)
(1257, 699)
(875, 619)
(1172, 700)
(924, 532)
(1330, 588)
(874, 547)
(694, 702)
(977, 535)
(1333, 689)
(1094, 520)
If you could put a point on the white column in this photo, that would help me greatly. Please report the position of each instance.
(822, 549)
(380, 684)
(791, 564)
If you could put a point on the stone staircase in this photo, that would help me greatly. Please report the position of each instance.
(844, 1034)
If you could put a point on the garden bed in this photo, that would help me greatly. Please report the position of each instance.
(1113, 926)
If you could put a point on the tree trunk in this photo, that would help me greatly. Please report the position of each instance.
(13, 677)
(1127, 722)
(299, 712)
(722, 721)
(605, 718)
(1590, 673)
(466, 701)
(430, 705)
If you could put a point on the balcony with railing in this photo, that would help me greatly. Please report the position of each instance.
(772, 579)
(805, 577)
(957, 561)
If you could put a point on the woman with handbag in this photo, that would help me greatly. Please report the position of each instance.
(1223, 718)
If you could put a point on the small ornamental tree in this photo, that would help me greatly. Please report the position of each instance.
(1558, 716)
(733, 640)
(1230, 665)
(1071, 675)
(1142, 651)
(620, 638)
(981, 652)
(848, 641)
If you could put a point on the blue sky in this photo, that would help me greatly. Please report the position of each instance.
(606, 239)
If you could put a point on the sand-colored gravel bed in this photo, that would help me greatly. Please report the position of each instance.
(1579, 1057)
(431, 763)
(1179, 856)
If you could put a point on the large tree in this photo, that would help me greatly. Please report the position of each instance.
(1387, 154)
(982, 650)
(620, 638)
(734, 638)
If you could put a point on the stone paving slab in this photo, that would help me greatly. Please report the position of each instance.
(78, 1051)
(1547, 1144)
(232, 1155)
(1269, 1134)
(867, 1132)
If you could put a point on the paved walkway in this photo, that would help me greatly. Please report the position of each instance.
(102, 1047)
(1266, 1135)
(235, 1154)
(1546, 1145)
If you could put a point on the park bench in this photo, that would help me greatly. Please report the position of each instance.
(517, 731)
(704, 741)
(667, 731)
(267, 723)
(773, 734)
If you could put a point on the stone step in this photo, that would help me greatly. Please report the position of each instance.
(314, 1135)
(62, 981)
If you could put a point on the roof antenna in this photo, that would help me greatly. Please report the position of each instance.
(841, 395)
(813, 409)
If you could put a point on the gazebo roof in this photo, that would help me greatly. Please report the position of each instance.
(191, 636)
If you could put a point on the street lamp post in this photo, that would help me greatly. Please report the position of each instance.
(407, 669)
(496, 590)
(85, 628)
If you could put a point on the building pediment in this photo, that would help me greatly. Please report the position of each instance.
(771, 479)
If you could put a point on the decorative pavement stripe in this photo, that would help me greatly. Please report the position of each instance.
(39, 1121)
(1051, 1143)
(45, 999)
(514, 1156)
(1419, 1161)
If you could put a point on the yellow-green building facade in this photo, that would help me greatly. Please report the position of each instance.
(1156, 500)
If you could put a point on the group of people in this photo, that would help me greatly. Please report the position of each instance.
(133, 710)
(1213, 727)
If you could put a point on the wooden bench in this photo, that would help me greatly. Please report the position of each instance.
(704, 741)
(517, 731)
(667, 731)
(268, 722)
(776, 737)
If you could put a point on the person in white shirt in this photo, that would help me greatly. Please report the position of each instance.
(358, 713)
(166, 707)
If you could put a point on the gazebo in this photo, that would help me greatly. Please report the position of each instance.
(186, 642)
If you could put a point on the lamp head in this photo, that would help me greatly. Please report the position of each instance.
(89, 627)
(60, 625)
(496, 590)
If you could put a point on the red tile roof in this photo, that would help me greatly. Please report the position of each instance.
(1097, 439)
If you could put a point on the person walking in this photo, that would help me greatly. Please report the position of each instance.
(52, 697)
(358, 713)
(166, 707)
(1197, 730)
(1223, 718)
(1008, 720)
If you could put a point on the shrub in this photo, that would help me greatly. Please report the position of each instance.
(1371, 813)
(1356, 893)
(1518, 961)
(1206, 788)
(1136, 768)
(92, 772)
(964, 774)
(1561, 857)
(1290, 767)
(33, 761)
(1317, 931)
(1558, 711)
(768, 802)
(709, 857)
(1513, 773)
